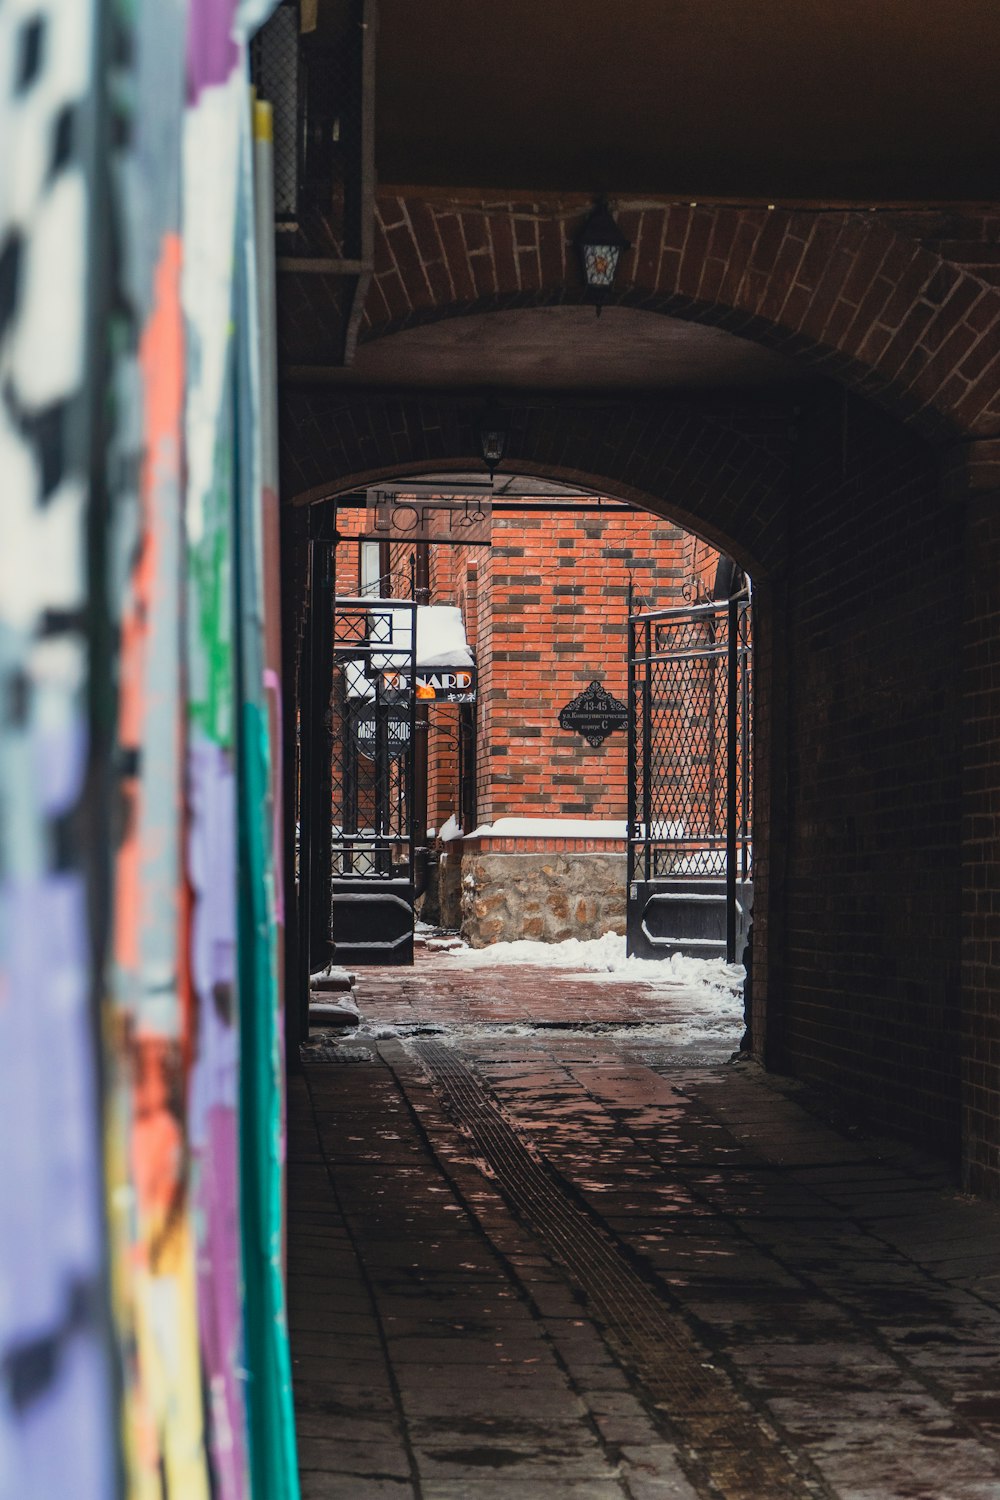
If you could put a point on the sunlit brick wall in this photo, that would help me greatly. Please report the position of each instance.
(546, 609)
(553, 618)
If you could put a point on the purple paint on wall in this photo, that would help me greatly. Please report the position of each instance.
(213, 1119)
(212, 53)
(219, 1315)
(50, 1290)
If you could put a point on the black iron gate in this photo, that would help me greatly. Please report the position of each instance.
(689, 829)
(370, 738)
(356, 774)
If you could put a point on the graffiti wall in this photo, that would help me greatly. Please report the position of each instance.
(142, 1338)
(56, 1368)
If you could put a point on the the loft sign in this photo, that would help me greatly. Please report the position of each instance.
(594, 714)
(463, 522)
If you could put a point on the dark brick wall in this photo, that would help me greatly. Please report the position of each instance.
(866, 921)
(859, 642)
(717, 466)
(770, 810)
(981, 841)
(871, 998)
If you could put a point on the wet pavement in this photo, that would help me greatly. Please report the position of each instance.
(546, 1240)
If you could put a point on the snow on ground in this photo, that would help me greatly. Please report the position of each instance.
(709, 992)
(604, 955)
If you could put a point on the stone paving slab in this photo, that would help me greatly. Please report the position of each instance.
(441, 1348)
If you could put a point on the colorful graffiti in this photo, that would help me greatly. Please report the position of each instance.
(143, 1350)
(56, 1370)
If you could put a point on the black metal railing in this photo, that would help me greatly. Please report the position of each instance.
(690, 810)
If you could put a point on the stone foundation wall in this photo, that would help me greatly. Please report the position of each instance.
(547, 897)
(450, 887)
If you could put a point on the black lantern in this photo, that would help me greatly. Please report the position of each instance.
(493, 428)
(600, 243)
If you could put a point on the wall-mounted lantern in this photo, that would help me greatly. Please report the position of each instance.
(494, 426)
(600, 243)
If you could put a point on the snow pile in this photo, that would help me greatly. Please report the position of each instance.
(594, 958)
(443, 944)
(450, 829)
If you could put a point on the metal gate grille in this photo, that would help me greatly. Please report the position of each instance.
(371, 725)
(371, 734)
(689, 845)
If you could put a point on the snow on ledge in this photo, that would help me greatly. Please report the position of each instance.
(552, 828)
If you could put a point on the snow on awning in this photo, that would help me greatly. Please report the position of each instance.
(441, 638)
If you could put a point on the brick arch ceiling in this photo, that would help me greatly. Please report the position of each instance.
(840, 291)
(703, 474)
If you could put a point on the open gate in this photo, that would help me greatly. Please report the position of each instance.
(689, 818)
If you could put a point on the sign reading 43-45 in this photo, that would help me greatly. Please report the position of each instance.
(594, 714)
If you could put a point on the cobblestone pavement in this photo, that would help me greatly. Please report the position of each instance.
(537, 1248)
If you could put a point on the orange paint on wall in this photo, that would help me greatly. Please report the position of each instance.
(161, 353)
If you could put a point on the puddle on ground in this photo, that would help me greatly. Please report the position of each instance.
(485, 1458)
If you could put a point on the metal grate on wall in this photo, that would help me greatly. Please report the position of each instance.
(315, 80)
(276, 73)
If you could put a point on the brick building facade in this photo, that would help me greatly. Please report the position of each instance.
(546, 611)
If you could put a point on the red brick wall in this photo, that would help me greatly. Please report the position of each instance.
(553, 615)
(546, 609)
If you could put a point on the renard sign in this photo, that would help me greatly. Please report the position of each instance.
(446, 685)
(439, 684)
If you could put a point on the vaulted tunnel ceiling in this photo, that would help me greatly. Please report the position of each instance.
(568, 348)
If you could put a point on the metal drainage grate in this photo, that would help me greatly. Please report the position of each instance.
(728, 1449)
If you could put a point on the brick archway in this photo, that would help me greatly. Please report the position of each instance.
(725, 484)
(844, 291)
(876, 555)
(724, 476)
